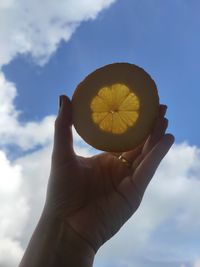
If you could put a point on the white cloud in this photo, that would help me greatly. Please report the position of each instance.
(12, 132)
(13, 212)
(10, 252)
(36, 27)
(10, 198)
(197, 263)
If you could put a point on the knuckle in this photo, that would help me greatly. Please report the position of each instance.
(60, 123)
(138, 194)
(166, 121)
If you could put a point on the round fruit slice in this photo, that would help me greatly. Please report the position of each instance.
(115, 107)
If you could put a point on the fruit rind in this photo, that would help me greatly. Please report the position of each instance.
(136, 79)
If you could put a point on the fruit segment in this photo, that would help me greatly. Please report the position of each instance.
(118, 125)
(99, 116)
(131, 102)
(106, 123)
(99, 105)
(129, 117)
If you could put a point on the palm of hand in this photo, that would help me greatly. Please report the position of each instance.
(92, 202)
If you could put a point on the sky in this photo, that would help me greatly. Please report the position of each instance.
(46, 49)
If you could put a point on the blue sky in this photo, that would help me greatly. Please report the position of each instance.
(160, 36)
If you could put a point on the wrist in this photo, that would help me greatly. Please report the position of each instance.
(70, 249)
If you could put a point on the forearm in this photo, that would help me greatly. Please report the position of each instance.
(53, 244)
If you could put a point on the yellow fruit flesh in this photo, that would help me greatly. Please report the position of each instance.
(115, 108)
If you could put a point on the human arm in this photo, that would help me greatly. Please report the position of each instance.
(89, 199)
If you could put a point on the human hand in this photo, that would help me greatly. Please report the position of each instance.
(96, 195)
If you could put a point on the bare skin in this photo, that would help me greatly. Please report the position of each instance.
(89, 199)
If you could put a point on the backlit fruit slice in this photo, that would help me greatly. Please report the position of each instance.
(115, 107)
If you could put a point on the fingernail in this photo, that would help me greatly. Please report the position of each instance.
(169, 139)
(60, 102)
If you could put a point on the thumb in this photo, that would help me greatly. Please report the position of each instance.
(63, 139)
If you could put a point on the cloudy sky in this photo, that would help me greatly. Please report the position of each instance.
(46, 48)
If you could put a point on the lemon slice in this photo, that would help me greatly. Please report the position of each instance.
(115, 107)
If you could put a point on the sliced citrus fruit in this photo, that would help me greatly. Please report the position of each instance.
(115, 107)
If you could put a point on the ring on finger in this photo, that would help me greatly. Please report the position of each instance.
(124, 160)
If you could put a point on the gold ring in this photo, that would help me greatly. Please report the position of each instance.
(124, 160)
